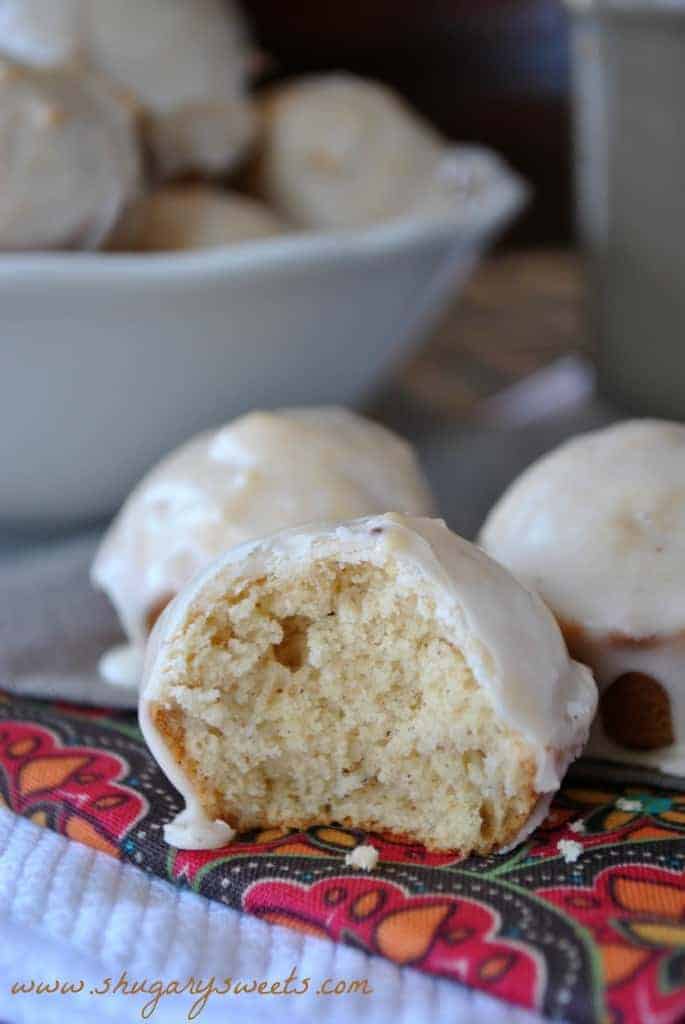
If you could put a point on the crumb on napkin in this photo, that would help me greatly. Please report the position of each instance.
(364, 857)
(623, 804)
(569, 849)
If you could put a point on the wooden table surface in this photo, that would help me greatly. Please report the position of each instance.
(520, 311)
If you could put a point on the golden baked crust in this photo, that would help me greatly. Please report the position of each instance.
(156, 610)
(634, 708)
(168, 723)
(636, 712)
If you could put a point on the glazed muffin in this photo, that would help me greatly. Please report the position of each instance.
(69, 162)
(187, 63)
(182, 217)
(339, 151)
(598, 529)
(259, 473)
(381, 673)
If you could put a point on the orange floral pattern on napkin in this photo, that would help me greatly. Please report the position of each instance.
(595, 940)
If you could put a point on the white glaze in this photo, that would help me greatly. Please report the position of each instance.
(598, 528)
(508, 637)
(186, 61)
(341, 151)
(259, 473)
(122, 665)
(185, 832)
(69, 160)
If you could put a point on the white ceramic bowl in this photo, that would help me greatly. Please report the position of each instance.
(107, 361)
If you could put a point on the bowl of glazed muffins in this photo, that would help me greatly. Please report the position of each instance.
(179, 245)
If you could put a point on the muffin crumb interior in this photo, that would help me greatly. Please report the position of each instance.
(333, 696)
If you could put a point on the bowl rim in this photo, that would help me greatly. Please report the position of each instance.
(468, 223)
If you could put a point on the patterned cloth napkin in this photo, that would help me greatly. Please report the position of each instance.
(584, 922)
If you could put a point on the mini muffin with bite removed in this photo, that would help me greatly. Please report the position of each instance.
(597, 527)
(381, 673)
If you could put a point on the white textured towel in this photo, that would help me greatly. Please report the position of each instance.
(71, 913)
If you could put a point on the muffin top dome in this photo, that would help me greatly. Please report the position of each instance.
(260, 473)
(69, 161)
(597, 527)
(186, 62)
(341, 151)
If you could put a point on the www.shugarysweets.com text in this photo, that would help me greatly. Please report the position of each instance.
(201, 990)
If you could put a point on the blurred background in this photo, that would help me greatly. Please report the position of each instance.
(574, 317)
(495, 72)
(584, 99)
(509, 369)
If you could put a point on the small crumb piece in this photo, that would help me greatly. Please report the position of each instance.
(577, 826)
(624, 804)
(570, 850)
(364, 857)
